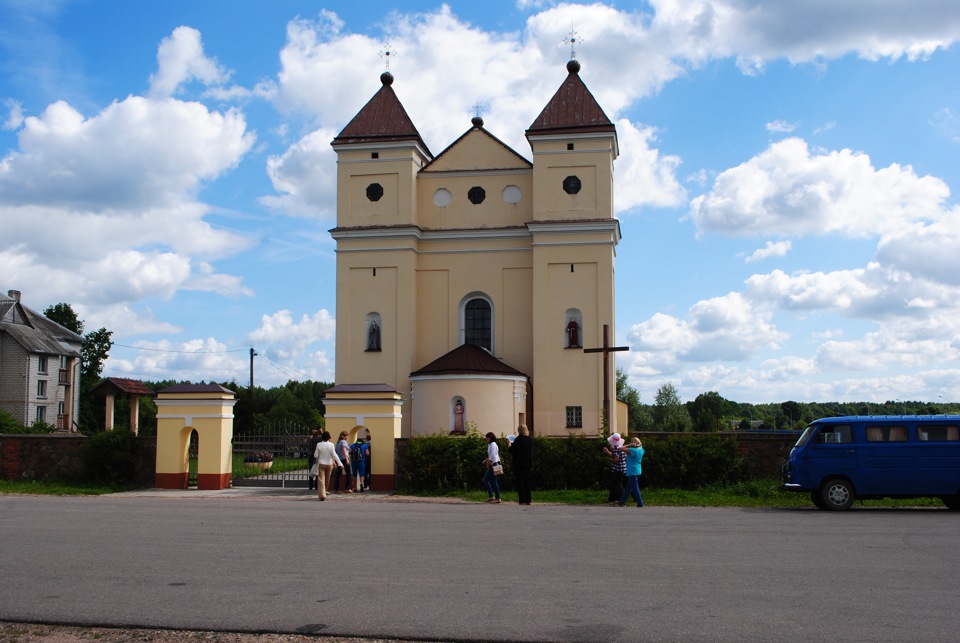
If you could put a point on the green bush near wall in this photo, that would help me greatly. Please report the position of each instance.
(112, 457)
(439, 463)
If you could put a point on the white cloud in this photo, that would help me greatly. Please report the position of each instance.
(790, 191)
(947, 123)
(781, 127)
(14, 114)
(306, 177)
(772, 249)
(288, 338)
(180, 59)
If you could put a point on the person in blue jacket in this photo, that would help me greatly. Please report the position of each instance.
(634, 452)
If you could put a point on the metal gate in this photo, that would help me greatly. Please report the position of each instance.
(272, 455)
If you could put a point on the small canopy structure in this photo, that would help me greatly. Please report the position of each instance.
(113, 387)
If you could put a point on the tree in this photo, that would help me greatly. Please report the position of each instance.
(63, 314)
(628, 394)
(708, 409)
(669, 414)
(94, 351)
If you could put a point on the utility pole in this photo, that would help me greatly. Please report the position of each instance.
(253, 354)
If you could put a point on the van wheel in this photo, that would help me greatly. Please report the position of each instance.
(817, 500)
(952, 502)
(837, 494)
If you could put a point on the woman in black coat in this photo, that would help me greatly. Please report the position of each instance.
(522, 451)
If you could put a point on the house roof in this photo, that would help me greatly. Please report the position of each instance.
(35, 333)
(382, 119)
(115, 385)
(573, 109)
(467, 359)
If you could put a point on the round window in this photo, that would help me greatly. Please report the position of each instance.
(512, 194)
(374, 191)
(476, 195)
(442, 198)
(571, 185)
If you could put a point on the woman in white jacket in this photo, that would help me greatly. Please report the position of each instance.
(324, 459)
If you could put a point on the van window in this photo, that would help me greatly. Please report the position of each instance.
(886, 434)
(938, 433)
(835, 434)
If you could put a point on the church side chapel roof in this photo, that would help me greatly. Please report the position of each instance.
(512, 160)
(382, 119)
(467, 359)
(573, 109)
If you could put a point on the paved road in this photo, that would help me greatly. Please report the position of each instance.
(283, 562)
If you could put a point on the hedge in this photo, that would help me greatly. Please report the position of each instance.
(438, 463)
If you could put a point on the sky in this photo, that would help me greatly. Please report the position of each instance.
(786, 185)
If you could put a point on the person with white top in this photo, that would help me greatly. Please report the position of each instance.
(324, 459)
(490, 478)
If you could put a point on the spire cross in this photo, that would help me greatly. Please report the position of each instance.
(476, 108)
(606, 350)
(386, 53)
(573, 38)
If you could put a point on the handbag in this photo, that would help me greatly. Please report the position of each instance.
(498, 469)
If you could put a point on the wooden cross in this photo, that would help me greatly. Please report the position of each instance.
(606, 350)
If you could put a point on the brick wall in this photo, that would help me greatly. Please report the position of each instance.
(55, 456)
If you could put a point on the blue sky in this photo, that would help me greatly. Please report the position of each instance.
(786, 185)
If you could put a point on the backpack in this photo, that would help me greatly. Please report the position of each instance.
(356, 453)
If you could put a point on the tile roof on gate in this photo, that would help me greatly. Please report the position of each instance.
(113, 385)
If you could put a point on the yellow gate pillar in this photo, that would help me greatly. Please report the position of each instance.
(208, 410)
(375, 407)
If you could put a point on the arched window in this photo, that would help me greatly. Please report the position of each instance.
(573, 328)
(477, 318)
(374, 331)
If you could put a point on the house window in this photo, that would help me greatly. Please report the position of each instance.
(42, 364)
(41, 414)
(574, 417)
(64, 361)
(41, 388)
(478, 323)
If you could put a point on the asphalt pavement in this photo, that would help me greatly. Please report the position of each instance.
(372, 565)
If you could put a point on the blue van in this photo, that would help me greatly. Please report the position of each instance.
(840, 459)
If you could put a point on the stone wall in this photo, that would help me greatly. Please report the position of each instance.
(60, 457)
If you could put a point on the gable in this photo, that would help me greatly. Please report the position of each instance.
(477, 150)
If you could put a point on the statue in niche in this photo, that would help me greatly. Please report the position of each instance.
(373, 337)
(573, 334)
(458, 426)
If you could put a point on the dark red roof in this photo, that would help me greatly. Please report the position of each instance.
(361, 388)
(572, 109)
(382, 119)
(467, 359)
(197, 388)
(114, 385)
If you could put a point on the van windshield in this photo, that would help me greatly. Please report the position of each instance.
(805, 436)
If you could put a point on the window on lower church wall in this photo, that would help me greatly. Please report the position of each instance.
(574, 417)
(478, 323)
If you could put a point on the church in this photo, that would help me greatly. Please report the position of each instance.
(470, 283)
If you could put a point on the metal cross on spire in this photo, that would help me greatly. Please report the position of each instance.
(574, 39)
(386, 53)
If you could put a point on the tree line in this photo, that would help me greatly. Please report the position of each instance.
(302, 402)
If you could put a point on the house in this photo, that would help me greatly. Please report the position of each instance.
(39, 366)
(478, 246)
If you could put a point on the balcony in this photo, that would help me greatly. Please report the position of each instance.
(64, 377)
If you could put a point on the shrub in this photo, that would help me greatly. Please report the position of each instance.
(11, 426)
(692, 461)
(112, 457)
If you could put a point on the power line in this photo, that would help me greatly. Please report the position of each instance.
(166, 350)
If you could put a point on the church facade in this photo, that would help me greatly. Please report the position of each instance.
(470, 282)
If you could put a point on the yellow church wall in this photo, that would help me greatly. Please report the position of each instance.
(483, 396)
(516, 318)
(395, 170)
(591, 161)
(462, 213)
(433, 305)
